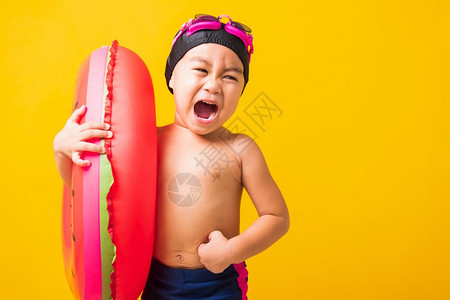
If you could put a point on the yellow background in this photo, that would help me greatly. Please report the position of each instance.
(361, 151)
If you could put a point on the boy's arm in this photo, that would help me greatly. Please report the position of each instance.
(272, 223)
(73, 140)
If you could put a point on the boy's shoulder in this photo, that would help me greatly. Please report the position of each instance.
(161, 129)
(240, 143)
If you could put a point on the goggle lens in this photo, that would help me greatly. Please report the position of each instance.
(241, 26)
(202, 17)
(209, 18)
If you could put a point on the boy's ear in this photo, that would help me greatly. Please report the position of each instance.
(170, 83)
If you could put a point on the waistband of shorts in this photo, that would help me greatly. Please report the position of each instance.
(193, 275)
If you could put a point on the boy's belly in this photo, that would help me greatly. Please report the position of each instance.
(181, 230)
(179, 259)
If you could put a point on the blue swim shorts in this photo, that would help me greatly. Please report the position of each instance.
(165, 283)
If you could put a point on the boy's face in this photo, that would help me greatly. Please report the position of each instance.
(207, 84)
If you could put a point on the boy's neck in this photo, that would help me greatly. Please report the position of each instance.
(212, 135)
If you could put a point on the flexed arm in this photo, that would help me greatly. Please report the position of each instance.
(272, 222)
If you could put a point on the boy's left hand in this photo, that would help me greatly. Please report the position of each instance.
(213, 255)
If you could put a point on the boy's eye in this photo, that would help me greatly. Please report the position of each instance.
(201, 70)
(231, 77)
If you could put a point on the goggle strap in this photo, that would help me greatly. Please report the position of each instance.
(203, 25)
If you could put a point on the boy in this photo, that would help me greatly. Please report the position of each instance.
(199, 253)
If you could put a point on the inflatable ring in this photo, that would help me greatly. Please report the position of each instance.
(108, 214)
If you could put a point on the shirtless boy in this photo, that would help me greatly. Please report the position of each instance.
(199, 252)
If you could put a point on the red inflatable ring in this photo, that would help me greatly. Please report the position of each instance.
(108, 214)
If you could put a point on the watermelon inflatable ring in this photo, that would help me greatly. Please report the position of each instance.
(108, 213)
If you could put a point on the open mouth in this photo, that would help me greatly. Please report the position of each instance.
(205, 110)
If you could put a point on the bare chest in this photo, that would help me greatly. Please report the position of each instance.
(211, 163)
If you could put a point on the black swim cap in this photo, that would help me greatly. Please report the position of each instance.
(221, 37)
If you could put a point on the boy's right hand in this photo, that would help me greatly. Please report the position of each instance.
(74, 138)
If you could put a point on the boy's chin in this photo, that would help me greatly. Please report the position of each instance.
(204, 131)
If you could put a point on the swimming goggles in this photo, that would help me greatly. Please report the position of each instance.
(208, 22)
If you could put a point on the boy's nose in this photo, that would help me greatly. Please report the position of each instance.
(212, 85)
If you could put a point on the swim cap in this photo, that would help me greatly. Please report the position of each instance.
(220, 36)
